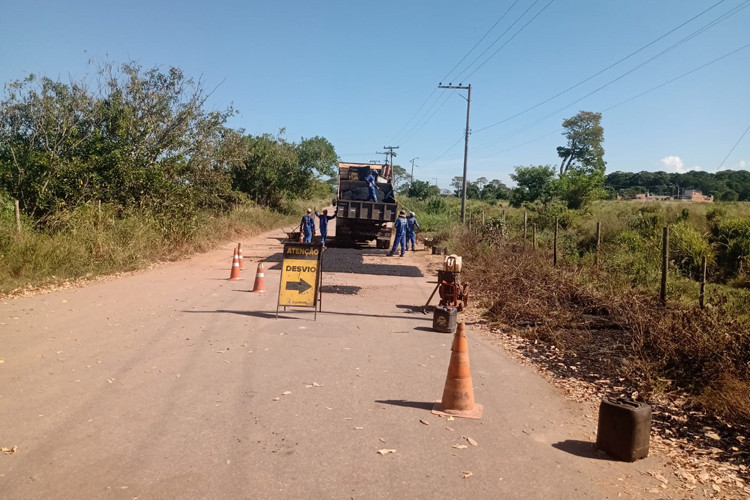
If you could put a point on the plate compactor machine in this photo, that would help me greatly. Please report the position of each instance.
(453, 294)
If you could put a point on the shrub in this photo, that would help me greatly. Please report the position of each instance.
(688, 248)
(731, 238)
(436, 205)
(646, 221)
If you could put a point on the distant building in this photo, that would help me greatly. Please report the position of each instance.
(696, 196)
(687, 195)
(651, 197)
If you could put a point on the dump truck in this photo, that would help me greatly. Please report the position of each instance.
(359, 220)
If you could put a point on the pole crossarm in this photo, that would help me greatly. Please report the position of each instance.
(390, 153)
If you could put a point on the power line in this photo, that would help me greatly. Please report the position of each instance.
(641, 94)
(426, 119)
(509, 40)
(601, 71)
(420, 123)
(447, 76)
(413, 116)
(683, 75)
(637, 67)
(441, 155)
(733, 148)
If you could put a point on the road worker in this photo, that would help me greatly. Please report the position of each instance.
(411, 228)
(372, 185)
(307, 226)
(400, 227)
(324, 218)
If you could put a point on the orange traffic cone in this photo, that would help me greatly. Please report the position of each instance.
(458, 395)
(260, 280)
(235, 274)
(242, 260)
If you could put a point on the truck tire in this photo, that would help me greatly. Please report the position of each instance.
(382, 243)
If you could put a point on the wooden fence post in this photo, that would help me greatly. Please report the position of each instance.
(598, 242)
(533, 236)
(18, 215)
(702, 297)
(554, 250)
(664, 265)
(525, 225)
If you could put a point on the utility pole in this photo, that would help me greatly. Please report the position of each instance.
(383, 153)
(390, 153)
(412, 170)
(466, 144)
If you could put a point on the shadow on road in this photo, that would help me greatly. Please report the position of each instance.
(429, 329)
(585, 449)
(272, 314)
(421, 405)
(348, 260)
(412, 308)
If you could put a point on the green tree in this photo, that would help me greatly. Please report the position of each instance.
(400, 179)
(730, 195)
(534, 183)
(317, 157)
(577, 188)
(268, 169)
(496, 190)
(422, 190)
(472, 191)
(142, 139)
(457, 183)
(582, 168)
(275, 171)
(585, 136)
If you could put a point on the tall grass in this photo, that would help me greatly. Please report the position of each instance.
(90, 241)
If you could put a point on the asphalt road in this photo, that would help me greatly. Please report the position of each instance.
(177, 383)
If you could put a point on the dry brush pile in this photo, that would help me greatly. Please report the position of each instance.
(664, 352)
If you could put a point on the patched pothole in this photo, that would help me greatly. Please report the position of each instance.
(341, 289)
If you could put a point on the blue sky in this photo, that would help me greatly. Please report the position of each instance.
(674, 92)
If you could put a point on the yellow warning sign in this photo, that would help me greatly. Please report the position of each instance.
(299, 275)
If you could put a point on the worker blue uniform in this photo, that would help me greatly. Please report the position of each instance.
(324, 225)
(307, 227)
(372, 185)
(400, 227)
(411, 227)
